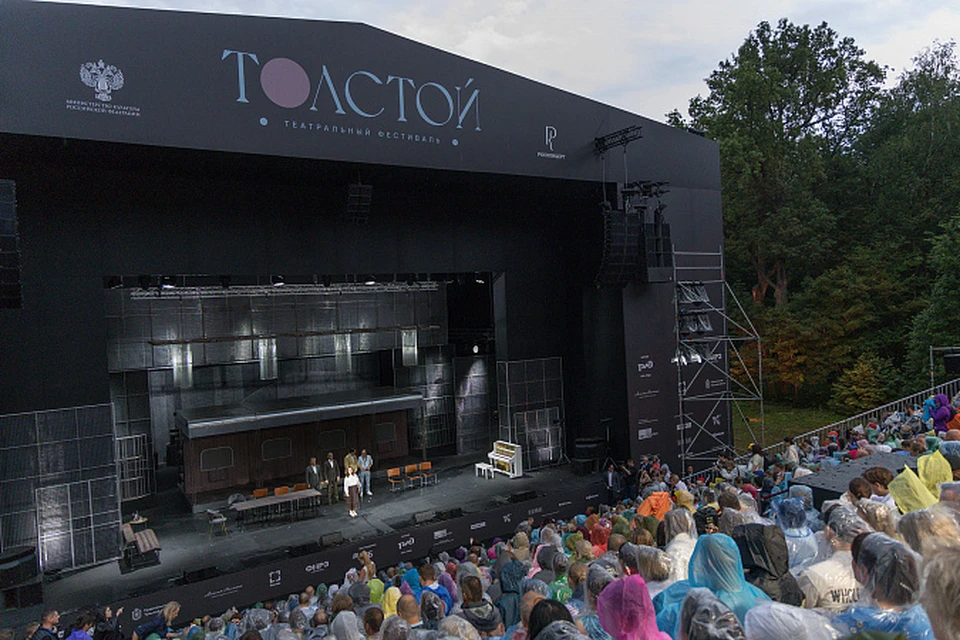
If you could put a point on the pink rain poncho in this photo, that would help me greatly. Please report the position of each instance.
(626, 612)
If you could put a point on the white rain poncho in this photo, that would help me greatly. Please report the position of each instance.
(831, 584)
(802, 544)
(775, 621)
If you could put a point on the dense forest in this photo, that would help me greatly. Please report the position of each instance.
(841, 199)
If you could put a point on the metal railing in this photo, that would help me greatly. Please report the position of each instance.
(950, 389)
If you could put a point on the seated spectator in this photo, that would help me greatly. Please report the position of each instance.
(577, 581)
(478, 612)
(763, 550)
(409, 610)
(522, 630)
(680, 539)
(890, 574)
(626, 612)
(879, 516)
(931, 525)
(395, 628)
(509, 601)
(703, 616)
(345, 626)
(880, 479)
(389, 603)
(546, 612)
(831, 583)
(717, 566)
(941, 590)
(372, 621)
(651, 564)
(774, 621)
(802, 546)
(858, 489)
(456, 627)
(432, 610)
(599, 575)
(428, 581)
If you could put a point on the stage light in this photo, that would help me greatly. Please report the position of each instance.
(479, 279)
(277, 281)
(476, 348)
(370, 281)
(168, 282)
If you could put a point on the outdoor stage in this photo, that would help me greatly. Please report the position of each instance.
(272, 559)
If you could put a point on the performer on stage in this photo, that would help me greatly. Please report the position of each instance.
(365, 462)
(313, 475)
(350, 460)
(331, 474)
(351, 491)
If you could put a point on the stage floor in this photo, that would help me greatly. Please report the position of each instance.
(188, 547)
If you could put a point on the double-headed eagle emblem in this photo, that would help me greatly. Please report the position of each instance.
(104, 78)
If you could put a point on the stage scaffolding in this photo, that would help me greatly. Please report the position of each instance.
(718, 358)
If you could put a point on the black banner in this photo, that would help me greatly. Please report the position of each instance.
(311, 89)
(282, 578)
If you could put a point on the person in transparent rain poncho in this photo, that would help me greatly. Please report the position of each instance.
(831, 584)
(626, 612)
(680, 535)
(802, 544)
(890, 573)
(925, 526)
(775, 621)
(599, 575)
(703, 616)
(650, 563)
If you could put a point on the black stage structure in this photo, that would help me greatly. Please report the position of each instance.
(203, 215)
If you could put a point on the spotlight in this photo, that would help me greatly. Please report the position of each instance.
(277, 281)
(370, 281)
(168, 282)
(478, 278)
(476, 349)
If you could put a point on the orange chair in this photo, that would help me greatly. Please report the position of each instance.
(281, 491)
(393, 477)
(260, 493)
(412, 473)
(301, 486)
(427, 473)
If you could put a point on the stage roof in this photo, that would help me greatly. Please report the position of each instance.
(309, 89)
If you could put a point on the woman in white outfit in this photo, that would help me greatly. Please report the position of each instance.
(351, 491)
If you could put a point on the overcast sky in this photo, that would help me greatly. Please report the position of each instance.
(644, 56)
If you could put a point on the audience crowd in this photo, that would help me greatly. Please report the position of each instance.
(742, 555)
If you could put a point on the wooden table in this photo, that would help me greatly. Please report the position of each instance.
(267, 502)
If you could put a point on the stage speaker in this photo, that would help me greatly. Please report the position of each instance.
(589, 448)
(331, 539)
(584, 467)
(18, 565)
(523, 496)
(623, 261)
(21, 596)
(456, 512)
(423, 516)
(951, 363)
(299, 550)
(199, 575)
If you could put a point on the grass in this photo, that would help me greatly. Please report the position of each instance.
(780, 420)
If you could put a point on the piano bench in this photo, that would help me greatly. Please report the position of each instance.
(484, 469)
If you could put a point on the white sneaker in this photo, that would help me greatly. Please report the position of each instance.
(369, 493)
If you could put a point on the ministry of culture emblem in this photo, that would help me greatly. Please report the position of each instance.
(104, 78)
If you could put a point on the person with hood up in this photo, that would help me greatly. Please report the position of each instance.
(942, 414)
(509, 601)
(717, 566)
(650, 563)
(805, 493)
(802, 546)
(457, 628)
(831, 583)
(775, 621)
(479, 612)
(626, 612)
(432, 610)
(345, 626)
(925, 526)
(520, 545)
(680, 539)
(428, 582)
(703, 616)
(890, 573)
(599, 576)
(389, 603)
(763, 550)
(599, 536)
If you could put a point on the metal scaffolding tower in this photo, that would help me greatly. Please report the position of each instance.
(716, 376)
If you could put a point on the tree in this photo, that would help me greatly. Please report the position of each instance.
(863, 386)
(791, 97)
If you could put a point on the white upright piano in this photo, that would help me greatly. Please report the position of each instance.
(506, 459)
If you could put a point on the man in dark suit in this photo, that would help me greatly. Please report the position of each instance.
(614, 483)
(331, 473)
(313, 475)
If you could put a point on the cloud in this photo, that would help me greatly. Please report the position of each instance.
(644, 56)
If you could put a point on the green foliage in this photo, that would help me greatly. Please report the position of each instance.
(863, 386)
(847, 197)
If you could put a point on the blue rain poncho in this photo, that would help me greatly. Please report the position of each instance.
(714, 565)
(805, 493)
